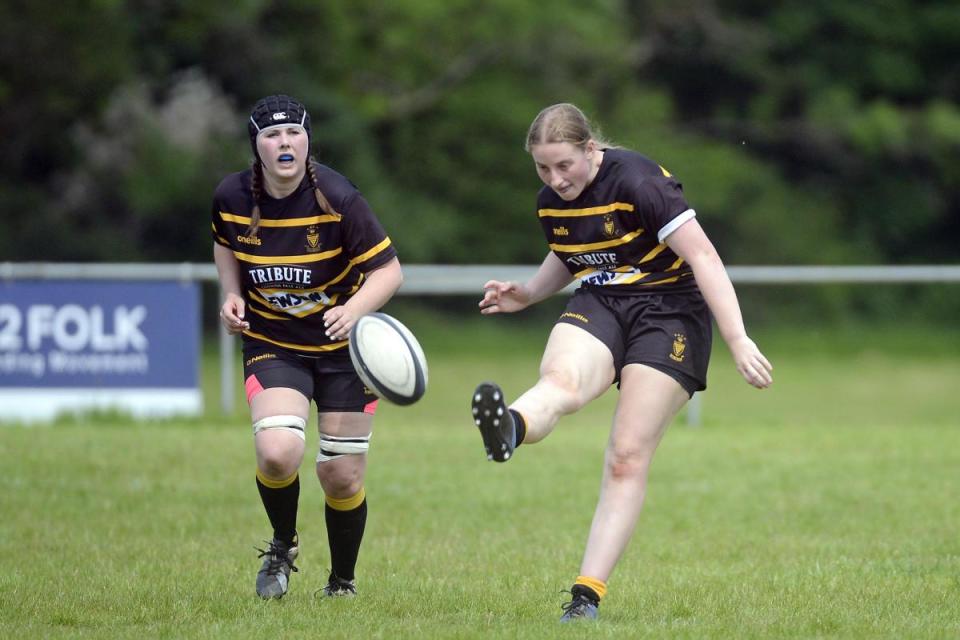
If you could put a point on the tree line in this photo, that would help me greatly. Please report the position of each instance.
(804, 131)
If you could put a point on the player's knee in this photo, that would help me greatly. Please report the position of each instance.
(338, 482)
(279, 457)
(342, 478)
(564, 380)
(341, 463)
(626, 462)
(276, 466)
(277, 462)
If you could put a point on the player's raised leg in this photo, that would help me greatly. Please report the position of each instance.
(575, 369)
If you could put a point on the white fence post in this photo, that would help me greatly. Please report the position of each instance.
(226, 366)
(695, 409)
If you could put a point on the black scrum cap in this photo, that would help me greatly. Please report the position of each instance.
(276, 111)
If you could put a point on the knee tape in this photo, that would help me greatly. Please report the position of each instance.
(294, 424)
(332, 447)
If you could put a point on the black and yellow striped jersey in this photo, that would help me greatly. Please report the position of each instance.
(302, 260)
(612, 234)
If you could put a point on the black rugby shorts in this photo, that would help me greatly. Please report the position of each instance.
(329, 379)
(670, 332)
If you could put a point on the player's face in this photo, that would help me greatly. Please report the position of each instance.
(283, 151)
(566, 168)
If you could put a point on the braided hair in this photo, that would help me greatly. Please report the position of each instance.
(256, 188)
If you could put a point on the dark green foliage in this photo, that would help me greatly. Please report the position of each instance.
(804, 132)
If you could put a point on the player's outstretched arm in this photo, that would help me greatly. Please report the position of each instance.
(509, 297)
(691, 243)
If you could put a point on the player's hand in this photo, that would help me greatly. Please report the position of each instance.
(751, 364)
(503, 297)
(338, 321)
(231, 314)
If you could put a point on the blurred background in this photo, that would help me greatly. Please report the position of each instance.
(804, 131)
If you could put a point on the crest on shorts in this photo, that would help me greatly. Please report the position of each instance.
(679, 347)
(610, 226)
(313, 239)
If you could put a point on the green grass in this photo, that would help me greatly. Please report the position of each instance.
(826, 506)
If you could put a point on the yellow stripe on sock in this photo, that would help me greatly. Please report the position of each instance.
(347, 504)
(598, 586)
(275, 484)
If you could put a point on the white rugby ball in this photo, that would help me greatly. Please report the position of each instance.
(388, 358)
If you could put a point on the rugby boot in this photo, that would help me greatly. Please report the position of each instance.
(496, 426)
(337, 587)
(582, 606)
(273, 579)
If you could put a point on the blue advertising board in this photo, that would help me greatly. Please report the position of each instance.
(74, 345)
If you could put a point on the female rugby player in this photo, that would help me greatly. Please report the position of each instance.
(301, 257)
(649, 280)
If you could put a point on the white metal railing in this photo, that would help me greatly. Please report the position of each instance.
(466, 279)
(423, 279)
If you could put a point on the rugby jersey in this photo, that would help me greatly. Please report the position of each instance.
(611, 236)
(302, 261)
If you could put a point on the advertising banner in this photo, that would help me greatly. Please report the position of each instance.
(68, 346)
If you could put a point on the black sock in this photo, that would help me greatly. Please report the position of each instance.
(344, 533)
(281, 507)
(587, 592)
(520, 426)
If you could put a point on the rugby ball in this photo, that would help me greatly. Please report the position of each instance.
(388, 358)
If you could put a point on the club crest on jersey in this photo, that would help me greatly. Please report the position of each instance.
(610, 226)
(313, 239)
(679, 347)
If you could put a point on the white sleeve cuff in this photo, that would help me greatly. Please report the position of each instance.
(675, 224)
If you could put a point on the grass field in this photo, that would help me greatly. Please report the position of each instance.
(828, 506)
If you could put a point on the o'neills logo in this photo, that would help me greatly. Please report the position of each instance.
(262, 356)
(255, 241)
(561, 231)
